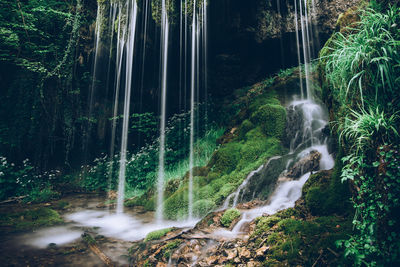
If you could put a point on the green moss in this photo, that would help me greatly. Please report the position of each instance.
(226, 158)
(202, 207)
(263, 224)
(30, 219)
(169, 248)
(176, 205)
(157, 234)
(296, 242)
(325, 194)
(144, 201)
(272, 119)
(229, 216)
(246, 126)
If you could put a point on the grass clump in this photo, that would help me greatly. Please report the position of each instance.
(229, 216)
(31, 219)
(364, 65)
(157, 234)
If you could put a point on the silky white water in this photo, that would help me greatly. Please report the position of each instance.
(164, 63)
(130, 46)
(288, 192)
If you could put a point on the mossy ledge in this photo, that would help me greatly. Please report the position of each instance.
(30, 219)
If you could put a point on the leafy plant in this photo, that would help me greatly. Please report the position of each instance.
(365, 65)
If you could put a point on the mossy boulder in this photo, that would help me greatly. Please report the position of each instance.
(272, 119)
(246, 126)
(226, 158)
(31, 219)
(157, 234)
(324, 193)
(229, 216)
(176, 206)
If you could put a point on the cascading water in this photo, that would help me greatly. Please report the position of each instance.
(199, 31)
(192, 99)
(129, 50)
(310, 135)
(164, 62)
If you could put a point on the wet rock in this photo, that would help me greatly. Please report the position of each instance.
(231, 254)
(252, 263)
(244, 253)
(261, 251)
(306, 164)
(212, 260)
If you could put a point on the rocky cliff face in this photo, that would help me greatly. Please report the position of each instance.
(253, 39)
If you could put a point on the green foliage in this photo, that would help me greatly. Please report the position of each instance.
(272, 119)
(38, 195)
(24, 180)
(202, 207)
(365, 65)
(141, 169)
(366, 129)
(144, 124)
(246, 126)
(362, 69)
(324, 193)
(30, 219)
(157, 234)
(377, 205)
(229, 216)
(294, 241)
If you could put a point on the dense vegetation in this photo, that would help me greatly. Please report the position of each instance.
(46, 50)
(361, 69)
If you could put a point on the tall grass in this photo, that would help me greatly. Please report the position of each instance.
(365, 65)
(366, 128)
(203, 149)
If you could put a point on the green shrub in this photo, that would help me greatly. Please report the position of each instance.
(157, 234)
(229, 216)
(365, 64)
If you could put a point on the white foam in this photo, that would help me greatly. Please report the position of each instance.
(55, 235)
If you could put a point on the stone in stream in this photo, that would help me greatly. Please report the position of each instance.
(306, 164)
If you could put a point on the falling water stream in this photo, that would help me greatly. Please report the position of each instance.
(164, 63)
(124, 226)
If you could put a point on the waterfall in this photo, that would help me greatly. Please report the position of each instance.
(164, 63)
(192, 99)
(306, 35)
(129, 50)
(288, 191)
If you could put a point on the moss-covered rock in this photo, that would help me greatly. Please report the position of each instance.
(246, 126)
(176, 206)
(272, 119)
(157, 234)
(324, 193)
(226, 158)
(229, 216)
(30, 219)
